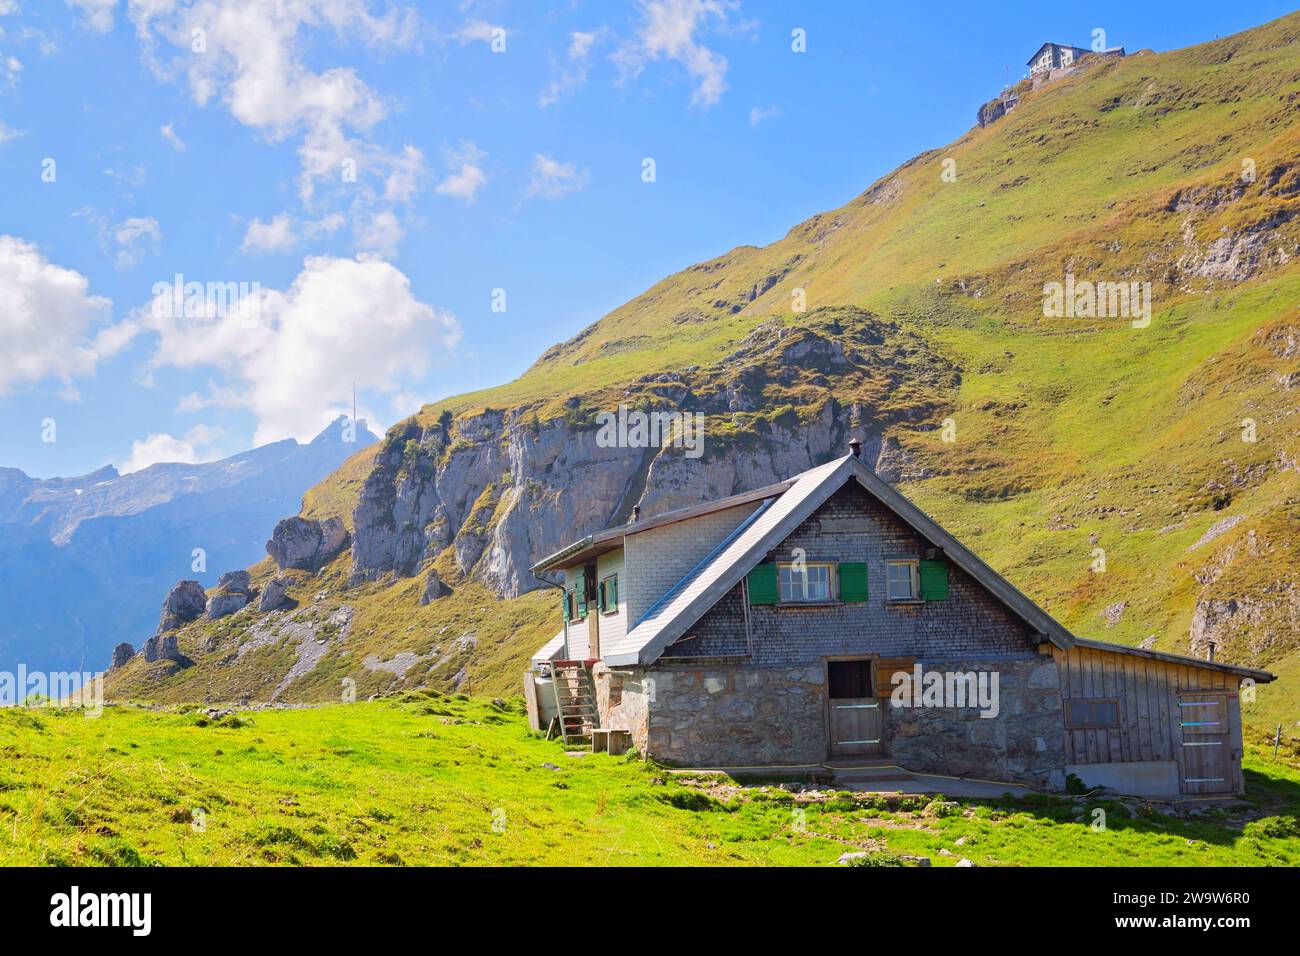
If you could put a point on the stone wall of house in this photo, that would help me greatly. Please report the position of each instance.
(623, 701)
(1024, 743)
(737, 715)
(746, 715)
(971, 621)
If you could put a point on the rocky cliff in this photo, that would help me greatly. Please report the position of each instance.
(501, 489)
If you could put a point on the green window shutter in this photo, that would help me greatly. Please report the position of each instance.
(934, 580)
(565, 602)
(853, 582)
(762, 585)
(578, 585)
(602, 598)
(611, 594)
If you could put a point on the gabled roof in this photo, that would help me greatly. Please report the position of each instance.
(611, 538)
(1063, 46)
(687, 602)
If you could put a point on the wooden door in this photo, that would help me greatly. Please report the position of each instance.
(593, 613)
(856, 720)
(1207, 755)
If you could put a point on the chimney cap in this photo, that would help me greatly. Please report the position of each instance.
(855, 448)
(636, 514)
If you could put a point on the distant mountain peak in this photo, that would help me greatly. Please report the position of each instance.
(336, 432)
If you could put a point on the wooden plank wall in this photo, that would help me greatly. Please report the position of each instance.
(1149, 715)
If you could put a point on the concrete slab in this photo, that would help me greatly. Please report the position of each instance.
(904, 782)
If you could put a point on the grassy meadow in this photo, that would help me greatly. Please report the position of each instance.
(429, 779)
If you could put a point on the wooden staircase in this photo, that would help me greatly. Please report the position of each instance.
(575, 699)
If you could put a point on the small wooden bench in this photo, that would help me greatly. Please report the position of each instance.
(610, 741)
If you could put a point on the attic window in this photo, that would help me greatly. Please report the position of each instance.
(901, 580)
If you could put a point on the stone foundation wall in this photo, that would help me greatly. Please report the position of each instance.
(753, 715)
(736, 715)
(623, 701)
(1024, 743)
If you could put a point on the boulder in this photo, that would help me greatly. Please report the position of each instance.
(306, 544)
(185, 602)
(236, 581)
(161, 647)
(433, 588)
(275, 596)
(234, 591)
(224, 603)
(121, 654)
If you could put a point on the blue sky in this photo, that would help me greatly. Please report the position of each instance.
(373, 171)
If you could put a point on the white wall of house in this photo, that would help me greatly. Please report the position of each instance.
(655, 560)
(613, 623)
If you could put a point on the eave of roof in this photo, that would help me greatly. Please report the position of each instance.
(611, 538)
(1260, 677)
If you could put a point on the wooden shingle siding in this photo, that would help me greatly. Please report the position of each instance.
(970, 622)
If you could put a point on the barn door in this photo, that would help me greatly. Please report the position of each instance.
(855, 713)
(1207, 762)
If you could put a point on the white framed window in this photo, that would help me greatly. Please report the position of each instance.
(901, 580)
(809, 581)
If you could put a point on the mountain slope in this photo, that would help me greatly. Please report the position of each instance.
(925, 303)
(85, 562)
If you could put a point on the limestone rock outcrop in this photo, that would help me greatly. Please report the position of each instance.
(305, 544)
(234, 591)
(184, 603)
(275, 596)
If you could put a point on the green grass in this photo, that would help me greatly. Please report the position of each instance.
(429, 779)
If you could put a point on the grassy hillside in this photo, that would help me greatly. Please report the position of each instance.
(426, 779)
(1073, 434)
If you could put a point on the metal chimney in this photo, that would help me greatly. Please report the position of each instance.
(855, 448)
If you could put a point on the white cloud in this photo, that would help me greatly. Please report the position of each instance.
(10, 68)
(135, 238)
(668, 32)
(551, 178)
(283, 232)
(379, 234)
(96, 14)
(465, 175)
(759, 113)
(254, 62)
(342, 320)
(46, 314)
(278, 235)
(168, 133)
(574, 73)
(7, 7)
(8, 133)
(477, 31)
(162, 447)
